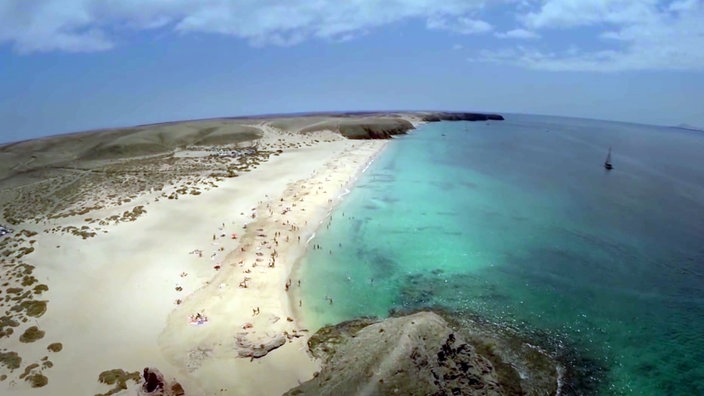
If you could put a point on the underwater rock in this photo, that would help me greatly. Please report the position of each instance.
(418, 354)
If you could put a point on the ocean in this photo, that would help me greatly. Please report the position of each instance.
(518, 222)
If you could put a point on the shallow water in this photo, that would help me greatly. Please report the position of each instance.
(518, 221)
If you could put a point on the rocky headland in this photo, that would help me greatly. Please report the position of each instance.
(423, 354)
(461, 116)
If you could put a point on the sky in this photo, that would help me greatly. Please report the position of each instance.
(70, 65)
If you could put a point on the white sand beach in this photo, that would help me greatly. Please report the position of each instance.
(113, 297)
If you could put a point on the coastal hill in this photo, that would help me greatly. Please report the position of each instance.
(98, 157)
(163, 138)
(421, 354)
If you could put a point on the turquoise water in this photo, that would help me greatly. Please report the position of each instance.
(518, 222)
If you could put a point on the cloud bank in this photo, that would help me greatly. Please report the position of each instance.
(95, 25)
(633, 34)
(621, 34)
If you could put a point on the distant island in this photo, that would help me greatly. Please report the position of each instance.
(689, 127)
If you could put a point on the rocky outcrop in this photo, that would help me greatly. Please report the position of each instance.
(460, 116)
(376, 130)
(363, 127)
(418, 354)
(153, 380)
(155, 385)
(257, 347)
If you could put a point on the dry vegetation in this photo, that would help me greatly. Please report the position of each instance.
(65, 194)
(79, 175)
(19, 301)
(119, 379)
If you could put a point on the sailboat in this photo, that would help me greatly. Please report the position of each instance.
(607, 163)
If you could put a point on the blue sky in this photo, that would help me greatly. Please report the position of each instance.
(68, 65)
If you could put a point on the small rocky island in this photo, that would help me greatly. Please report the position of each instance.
(423, 354)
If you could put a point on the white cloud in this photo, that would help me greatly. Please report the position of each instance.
(91, 25)
(44, 26)
(630, 35)
(575, 13)
(683, 5)
(570, 60)
(462, 25)
(518, 34)
(621, 34)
